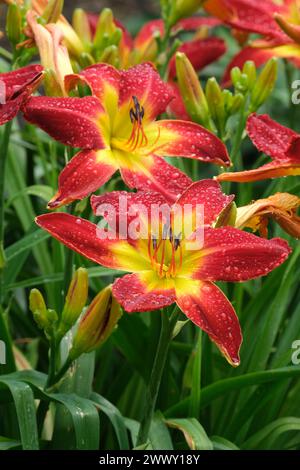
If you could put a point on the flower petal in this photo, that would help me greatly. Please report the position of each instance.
(268, 136)
(152, 173)
(93, 242)
(270, 170)
(206, 306)
(72, 121)
(15, 88)
(85, 173)
(18, 80)
(247, 15)
(201, 52)
(206, 193)
(232, 255)
(176, 107)
(144, 82)
(143, 292)
(186, 139)
(104, 81)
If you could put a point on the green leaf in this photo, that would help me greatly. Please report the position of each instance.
(58, 277)
(7, 444)
(25, 244)
(220, 443)
(159, 435)
(25, 409)
(42, 191)
(115, 418)
(85, 419)
(193, 432)
(266, 438)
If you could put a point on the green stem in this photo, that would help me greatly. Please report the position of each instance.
(56, 378)
(194, 404)
(235, 152)
(69, 260)
(3, 160)
(165, 338)
(52, 361)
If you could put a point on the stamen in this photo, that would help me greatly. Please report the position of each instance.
(136, 115)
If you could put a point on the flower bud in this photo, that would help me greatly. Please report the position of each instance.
(215, 100)
(97, 323)
(183, 8)
(14, 23)
(75, 301)
(53, 11)
(45, 318)
(227, 216)
(105, 27)
(81, 25)
(264, 85)
(249, 69)
(191, 90)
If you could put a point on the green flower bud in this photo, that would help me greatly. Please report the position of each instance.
(105, 27)
(53, 11)
(264, 85)
(191, 90)
(75, 301)
(44, 318)
(183, 8)
(215, 100)
(249, 69)
(97, 323)
(227, 216)
(81, 25)
(14, 23)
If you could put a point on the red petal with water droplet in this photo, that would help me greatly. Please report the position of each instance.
(15, 88)
(270, 137)
(134, 294)
(144, 82)
(207, 194)
(17, 80)
(97, 77)
(155, 174)
(86, 172)
(232, 255)
(72, 121)
(247, 15)
(206, 306)
(201, 52)
(176, 107)
(93, 242)
(190, 140)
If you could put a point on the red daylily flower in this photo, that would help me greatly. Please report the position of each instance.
(277, 23)
(116, 129)
(279, 142)
(15, 89)
(165, 270)
(248, 15)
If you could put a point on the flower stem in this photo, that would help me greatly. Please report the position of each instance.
(69, 259)
(165, 338)
(3, 160)
(56, 378)
(194, 405)
(235, 152)
(52, 361)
